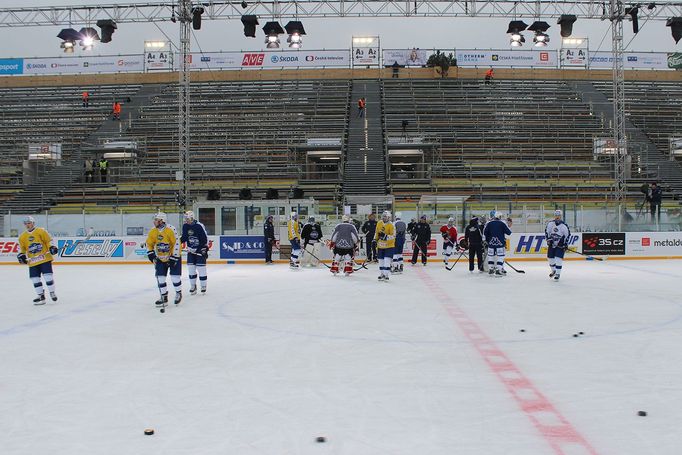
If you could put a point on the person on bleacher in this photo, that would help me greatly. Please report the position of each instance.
(489, 75)
(89, 170)
(103, 169)
(86, 99)
(117, 110)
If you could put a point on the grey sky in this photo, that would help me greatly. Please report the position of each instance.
(425, 33)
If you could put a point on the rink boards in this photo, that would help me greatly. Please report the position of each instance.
(250, 249)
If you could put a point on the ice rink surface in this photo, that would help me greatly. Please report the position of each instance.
(433, 362)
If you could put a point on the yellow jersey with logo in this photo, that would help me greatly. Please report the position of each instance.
(165, 242)
(36, 246)
(294, 230)
(389, 239)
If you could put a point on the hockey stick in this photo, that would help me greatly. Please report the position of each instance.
(304, 251)
(456, 261)
(514, 268)
(586, 255)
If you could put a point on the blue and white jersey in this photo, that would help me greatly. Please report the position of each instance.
(194, 236)
(494, 232)
(557, 233)
(400, 229)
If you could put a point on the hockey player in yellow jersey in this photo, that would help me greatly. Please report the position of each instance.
(163, 250)
(385, 241)
(36, 250)
(294, 231)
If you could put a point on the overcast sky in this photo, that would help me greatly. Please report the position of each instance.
(395, 33)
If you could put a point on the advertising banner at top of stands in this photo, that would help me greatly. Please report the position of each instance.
(9, 66)
(631, 60)
(406, 57)
(84, 65)
(675, 60)
(269, 59)
(573, 57)
(502, 58)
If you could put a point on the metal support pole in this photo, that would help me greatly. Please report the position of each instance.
(619, 160)
(185, 19)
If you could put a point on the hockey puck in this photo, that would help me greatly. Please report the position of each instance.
(320, 439)
(581, 333)
(149, 432)
(522, 330)
(575, 335)
(642, 413)
(163, 310)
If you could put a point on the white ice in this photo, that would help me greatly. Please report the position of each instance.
(270, 359)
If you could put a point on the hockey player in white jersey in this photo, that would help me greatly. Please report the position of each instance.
(557, 235)
(196, 241)
(400, 232)
(344, 241)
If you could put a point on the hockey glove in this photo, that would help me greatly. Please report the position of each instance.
(53, 250)
(21, 257)
(173, 261)
(332, 245)
(445, 235)
(204, 252)
(383, 236)
(152, 256)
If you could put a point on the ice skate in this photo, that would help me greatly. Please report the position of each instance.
(163, 300)
(178, 297)
(53, 296)
(551, 275)
(556, 277)
(193, 290)
(39, 300)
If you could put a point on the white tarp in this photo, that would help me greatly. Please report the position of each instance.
(506, 58)
(80, 65)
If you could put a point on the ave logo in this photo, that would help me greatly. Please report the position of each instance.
(253, 59)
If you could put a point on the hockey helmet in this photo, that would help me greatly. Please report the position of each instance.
(160, 216)
(386, 214)
(294, 215)
(558, 213)
(493, 214)
(423, 217)
(29, 220)
(398, 215)
(189, 215)
(451, 220)
(345, 218)
(311, 219)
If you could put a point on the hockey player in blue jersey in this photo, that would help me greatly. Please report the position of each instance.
(557, 235)
(494, 232)
(196, 242)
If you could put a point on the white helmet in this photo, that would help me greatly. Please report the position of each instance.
(345, 218)
(29, 219)
(451, 220)
(386, 214)
(189, 215)
(398, 215)
(500, 215)
(558, 213)
(294, 215)
(160, 216)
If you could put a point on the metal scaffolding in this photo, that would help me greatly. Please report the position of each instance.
(185, 19)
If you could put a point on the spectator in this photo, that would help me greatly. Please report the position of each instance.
(103, 168)
(655, 196)
(89, 169)
(489, 75)
(369, 229)
(362, 104)
(117, 110)
(86, 99)
(269, 238)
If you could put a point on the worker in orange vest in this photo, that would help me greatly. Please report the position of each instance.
(361, 107)
(117, 110)
(489, 76)
(86, 99)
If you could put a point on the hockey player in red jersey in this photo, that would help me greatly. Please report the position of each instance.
(449, 233)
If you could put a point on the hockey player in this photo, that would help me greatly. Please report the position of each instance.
(163, 250)
(384, 239)
(474, 239)
(344, 242)
(494, 232)
(294, 231)
(557, 235)
(400, 232)
(421, 237)
(369, 229)
(36, 250)
(311, 235)
(449, 233)
(196, 240)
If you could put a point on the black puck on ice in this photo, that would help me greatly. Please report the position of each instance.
(320, 439)
(642, 413)
(575, 335)
(522, 330)
(581, 333)
(149, 432)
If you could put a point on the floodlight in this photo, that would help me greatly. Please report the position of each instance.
(517, 40)
(69, 37)
(68, 46)
(250, 22)
(108, 28)
(295, 30)
(197, 11)
(272, 31)
(632, 11)
(566, 21)
(88, 38)
(515, 29)
(539, 26)
(675, 24)
(540, 39)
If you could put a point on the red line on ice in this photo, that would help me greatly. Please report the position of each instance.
(553, 426)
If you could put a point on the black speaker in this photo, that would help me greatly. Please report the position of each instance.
(250, 21)
(197, 11)
(298, 193)
(272, 193)
(245, 194)
(213, 195)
